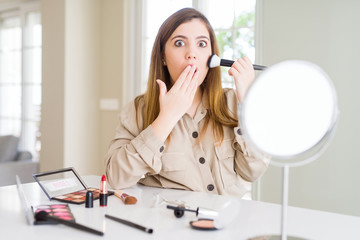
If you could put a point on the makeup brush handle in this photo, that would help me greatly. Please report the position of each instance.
(229, 63)
(76, 225)
(119, 194)
(259, 67)
(226, 63)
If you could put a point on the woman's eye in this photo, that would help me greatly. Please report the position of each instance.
(202, 44)
(179, 43)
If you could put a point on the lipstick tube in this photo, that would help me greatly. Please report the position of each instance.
(103, 192)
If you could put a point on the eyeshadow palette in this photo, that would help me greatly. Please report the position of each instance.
(61, 211)
(78, 197)
(65, 185)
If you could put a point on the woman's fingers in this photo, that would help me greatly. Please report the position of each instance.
(193, 84)
(241, 65)
(184, 80)
(162, 87)
(180, 81)
(189, 77)
(243, 73)
(179, 98)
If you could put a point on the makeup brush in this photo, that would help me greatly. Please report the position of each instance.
(215, 61)
(44, 216)
(127, 199)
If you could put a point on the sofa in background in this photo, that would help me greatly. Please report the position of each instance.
(14, 162)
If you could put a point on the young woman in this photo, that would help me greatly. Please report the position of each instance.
(183, 132)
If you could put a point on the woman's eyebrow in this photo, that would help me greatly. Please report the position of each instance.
(203, 36)
(184, 37)
(179, 36)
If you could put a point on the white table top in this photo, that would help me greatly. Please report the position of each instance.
(254, 218)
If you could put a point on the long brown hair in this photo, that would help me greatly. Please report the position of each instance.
(218, 112)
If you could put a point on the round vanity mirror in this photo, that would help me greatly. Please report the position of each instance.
(289, 113)
(289, 110)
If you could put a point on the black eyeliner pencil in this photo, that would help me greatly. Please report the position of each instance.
(131, 224)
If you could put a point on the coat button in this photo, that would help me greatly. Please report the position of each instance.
(162, 149)
(195, 134)
(210, 187)
(239, 132)
(202, 160)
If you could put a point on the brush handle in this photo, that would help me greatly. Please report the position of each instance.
(226, 63)
(124, 196)
(75, 225)
(120, 195)
(229, 63)
(131, 224)
(259, 67)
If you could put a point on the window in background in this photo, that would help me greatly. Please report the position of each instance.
(232, 20)
(234, 25)
(156, 12)
(20, 75)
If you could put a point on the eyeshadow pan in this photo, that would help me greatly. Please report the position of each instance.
(78, 200)
(59, 206)
(77, 196)
(46, 210)
(59, 210)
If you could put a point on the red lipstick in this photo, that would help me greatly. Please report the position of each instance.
(103, 192)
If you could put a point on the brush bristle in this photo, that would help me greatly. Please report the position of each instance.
(214, 61)
(130, 200)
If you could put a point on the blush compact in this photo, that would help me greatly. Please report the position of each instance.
(65, 185)
(61, 211)
(203, 224)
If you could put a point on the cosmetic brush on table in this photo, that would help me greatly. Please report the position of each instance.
(127, 199)
(44, 216)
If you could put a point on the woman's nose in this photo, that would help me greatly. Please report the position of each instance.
(191, 53)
